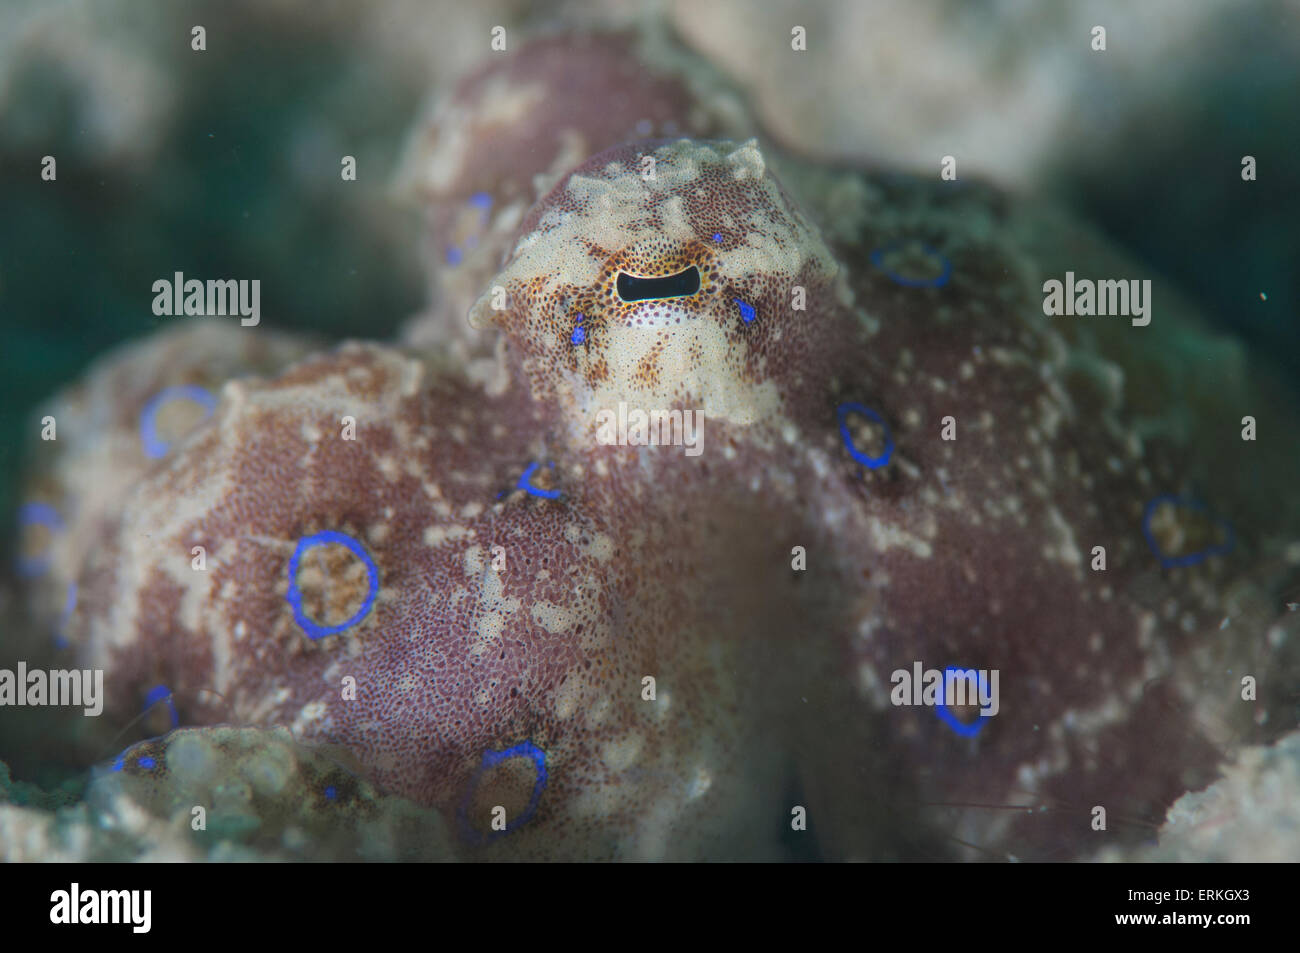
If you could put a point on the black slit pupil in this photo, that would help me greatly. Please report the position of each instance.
(631, 288)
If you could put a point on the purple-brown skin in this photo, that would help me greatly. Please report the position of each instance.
(95, 450)
(1117, 688)
(497, 142)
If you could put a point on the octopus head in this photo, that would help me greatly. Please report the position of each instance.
(663, 274)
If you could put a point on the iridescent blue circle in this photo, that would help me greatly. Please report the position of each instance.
(842, 412)
(38, 514)
(525, 483)
(878, 259)
(525, 749)
(162, 693)
(951, 720)
(153, 447)
(1189, 559)
(294, 595)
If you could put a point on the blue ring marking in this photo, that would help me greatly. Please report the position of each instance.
(154, 448)
(117, 765)
(453, 256)
(1190, 559)
(331, 793)
(525, 483)
(578, 336)
(481, 200)
(42, 514)
(147, 763)
(746, 310)
(294, 595)
(159, 693)
(951, 720)
(842, 412)
(525, 749)
(878, 259)
(717, 237)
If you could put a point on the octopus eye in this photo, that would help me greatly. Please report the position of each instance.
(680, 285)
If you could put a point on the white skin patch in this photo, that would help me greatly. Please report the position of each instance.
(695, 358)
(660, 314)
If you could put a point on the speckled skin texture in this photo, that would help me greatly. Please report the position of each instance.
(509, 130)
(98, 453)
(512, 612)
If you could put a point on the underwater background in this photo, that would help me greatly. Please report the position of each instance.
(224, 163)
